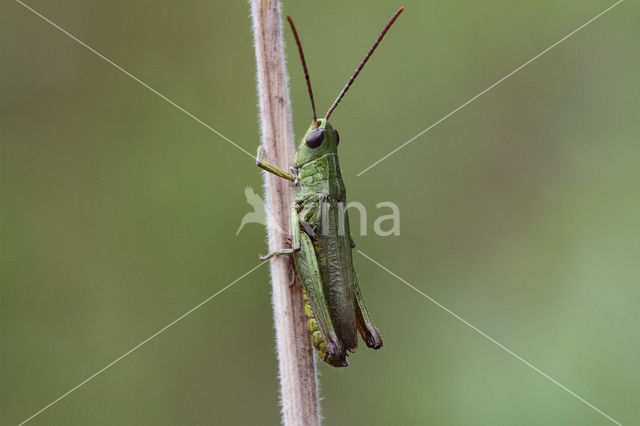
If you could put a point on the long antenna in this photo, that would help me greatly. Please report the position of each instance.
(364, 61)
(304, 67)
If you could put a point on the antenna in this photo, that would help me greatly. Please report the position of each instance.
(364, 61)
(304, 67)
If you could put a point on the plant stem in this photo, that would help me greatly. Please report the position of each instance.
(298, 389)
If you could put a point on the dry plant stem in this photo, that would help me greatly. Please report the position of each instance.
(298, 390)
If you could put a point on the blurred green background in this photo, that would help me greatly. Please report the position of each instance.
(521, 212)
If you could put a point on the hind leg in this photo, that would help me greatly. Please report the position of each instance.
(363, 320)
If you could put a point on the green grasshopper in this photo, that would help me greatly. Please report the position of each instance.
(321, 241)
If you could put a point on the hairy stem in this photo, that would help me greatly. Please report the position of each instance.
(298, 389)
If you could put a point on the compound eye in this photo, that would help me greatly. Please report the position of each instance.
(315, 138)
(337, 136)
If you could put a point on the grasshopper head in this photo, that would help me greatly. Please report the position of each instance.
(319, 140)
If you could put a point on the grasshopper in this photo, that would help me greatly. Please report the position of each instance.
(321, 241)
